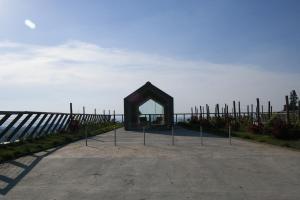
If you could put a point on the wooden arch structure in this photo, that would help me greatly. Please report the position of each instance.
(133, 101)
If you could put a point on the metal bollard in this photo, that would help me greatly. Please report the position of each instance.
(85, 131)
(115, 136)
(229, 134)
(172, 135)
(201, 135)
(144, 136)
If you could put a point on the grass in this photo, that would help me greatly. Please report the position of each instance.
(269, 139)
(30, 146)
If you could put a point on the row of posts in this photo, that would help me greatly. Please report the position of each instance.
(173, 135)
(236, 111)
(235, 114)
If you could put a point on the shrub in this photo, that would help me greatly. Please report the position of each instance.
(257, 128)
(205, 123)
(74, 125)
(219, 123)
(279, 127)
(294, 131)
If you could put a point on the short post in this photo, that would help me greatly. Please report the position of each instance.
(144, 135)
(201, 135)
(229, 133)
(176, 118)
(172, 135)
(115, 136)
(85, 128)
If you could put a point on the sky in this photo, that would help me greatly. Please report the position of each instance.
(95, 53)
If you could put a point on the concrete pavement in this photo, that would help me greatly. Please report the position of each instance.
(216, 170)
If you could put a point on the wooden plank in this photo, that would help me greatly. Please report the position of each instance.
(10, 125)
(29, 126)
(19, 127)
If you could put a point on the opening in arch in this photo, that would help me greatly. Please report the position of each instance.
(151, 111)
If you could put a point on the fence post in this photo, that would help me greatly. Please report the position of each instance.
(114, 117)
(258, 112)
(252, 113)
(269, 109)
(104, 117)
(287, 109)
(234, 111)
(218, 110)
(200, 112)
(248, 112)
(222, 112)
(176, 118)
(184, 117)
(239, 104)
(207, 112)
(71, 113)
(225, 112)
(85, 127)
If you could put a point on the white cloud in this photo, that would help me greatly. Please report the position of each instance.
(38, 77)
(30, 24)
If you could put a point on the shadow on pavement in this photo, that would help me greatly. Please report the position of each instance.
(11, 172)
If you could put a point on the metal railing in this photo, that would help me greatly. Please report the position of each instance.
(19, 125)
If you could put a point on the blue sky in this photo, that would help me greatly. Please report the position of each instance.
(190, 40)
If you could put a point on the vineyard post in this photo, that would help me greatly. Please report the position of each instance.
(234, 111)
(287, 109)
(239, 103)
(257, 110)
(269, 109)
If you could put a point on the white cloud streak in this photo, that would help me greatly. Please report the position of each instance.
(37, 77)
(30, 24)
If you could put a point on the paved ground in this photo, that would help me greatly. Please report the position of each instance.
(216, 170)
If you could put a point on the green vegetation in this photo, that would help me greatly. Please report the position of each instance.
(30, 146)
(273, 132)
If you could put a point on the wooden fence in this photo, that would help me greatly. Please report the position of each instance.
(19, 125)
